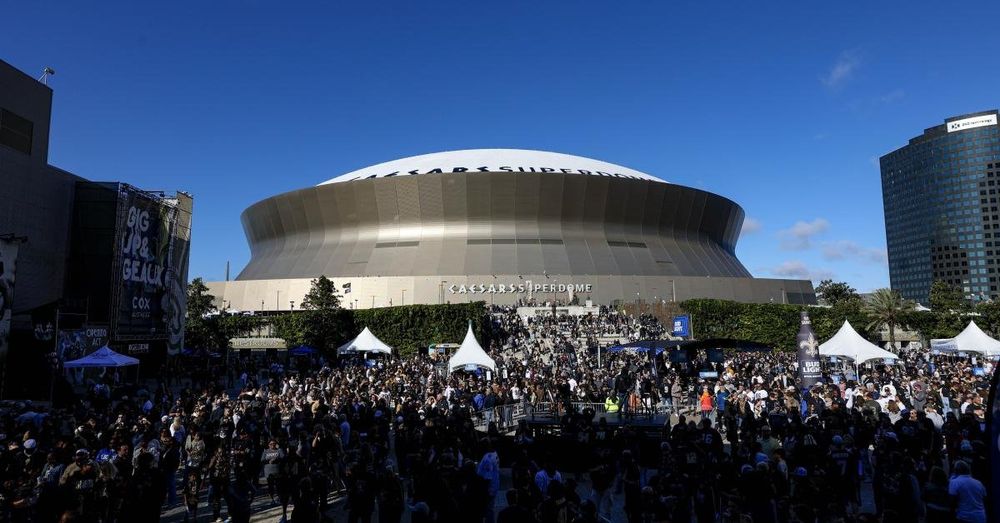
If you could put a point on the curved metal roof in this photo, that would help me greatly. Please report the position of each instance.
(493, 160)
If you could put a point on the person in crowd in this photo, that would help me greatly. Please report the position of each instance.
(400, 435)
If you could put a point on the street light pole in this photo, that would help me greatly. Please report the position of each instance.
(276, 301)
(402, 297)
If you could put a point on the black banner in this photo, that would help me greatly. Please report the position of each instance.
(808, 353)
(175, 297)
(9, 248)
(144, 238)
(77, 343)
(993, 420)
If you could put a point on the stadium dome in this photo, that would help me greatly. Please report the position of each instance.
(501, 225)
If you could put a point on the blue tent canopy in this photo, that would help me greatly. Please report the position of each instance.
(302, 350)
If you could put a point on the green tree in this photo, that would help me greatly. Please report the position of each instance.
(201, 326)
(835, 293)
(989, 317)
(322, 296)
(199, 301)
(886, 307)
(945, 297)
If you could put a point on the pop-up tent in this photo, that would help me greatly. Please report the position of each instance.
(471, 354)
(365, 343)
(972, 339)
(847, 343)
(302, 350)
(102, 357)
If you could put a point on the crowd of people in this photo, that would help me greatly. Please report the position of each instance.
(629, 436)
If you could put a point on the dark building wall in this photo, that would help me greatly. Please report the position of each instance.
(36, 198)
(941, 211)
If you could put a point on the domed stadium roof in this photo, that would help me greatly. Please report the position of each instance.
(493, 160)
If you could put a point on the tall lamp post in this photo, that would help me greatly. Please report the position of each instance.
(291, 305)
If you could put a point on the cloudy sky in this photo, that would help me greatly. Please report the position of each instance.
(782, 107)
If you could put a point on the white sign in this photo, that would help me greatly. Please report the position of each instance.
(972, 123)
(257, 343)
(519, 288)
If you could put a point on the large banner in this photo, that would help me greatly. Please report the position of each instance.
(993, 419)
(144, 235)
(808, 353)
(77, 343)
(8, 262)
(175, 298)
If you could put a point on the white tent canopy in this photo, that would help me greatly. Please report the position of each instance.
(365, 343)
(102, 357)
(847, 343)
(470, 353)
(972, 339)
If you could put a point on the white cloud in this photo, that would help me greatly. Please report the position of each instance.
(798, 270)
(892, 96)
(750, 226)
(842, 70)
(799, 236)
(847, 249)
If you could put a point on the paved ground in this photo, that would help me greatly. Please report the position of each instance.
(265, 512)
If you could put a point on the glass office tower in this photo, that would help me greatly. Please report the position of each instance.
(942, 222)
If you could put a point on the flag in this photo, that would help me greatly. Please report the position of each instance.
(347, 288)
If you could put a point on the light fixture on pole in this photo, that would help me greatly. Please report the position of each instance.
(46, 73)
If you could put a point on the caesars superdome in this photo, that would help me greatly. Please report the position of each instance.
(501, 226)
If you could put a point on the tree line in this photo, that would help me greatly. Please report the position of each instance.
(323, 324)
(777, 324)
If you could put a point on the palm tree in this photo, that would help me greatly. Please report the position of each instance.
(885, 307)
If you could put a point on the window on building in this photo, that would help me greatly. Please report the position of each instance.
(15, 131)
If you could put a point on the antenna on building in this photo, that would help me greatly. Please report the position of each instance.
(227, 270)
(46, 73)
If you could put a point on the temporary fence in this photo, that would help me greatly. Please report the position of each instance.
(506, 417)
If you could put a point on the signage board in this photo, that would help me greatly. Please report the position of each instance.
(77, 343)
(682, 326)
(257, 343)
(972, 123)
(9, 248)
(143, 243)
(138, 348)
(519, 288)
(810, 371)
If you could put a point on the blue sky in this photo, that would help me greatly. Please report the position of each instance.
(782, 107)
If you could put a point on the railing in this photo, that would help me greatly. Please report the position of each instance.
(506, 417)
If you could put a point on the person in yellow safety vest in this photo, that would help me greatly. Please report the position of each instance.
(611, 404)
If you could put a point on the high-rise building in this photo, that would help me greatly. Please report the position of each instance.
(942, 219)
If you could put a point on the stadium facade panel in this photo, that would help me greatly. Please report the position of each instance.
(468, 225)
